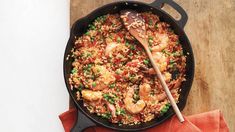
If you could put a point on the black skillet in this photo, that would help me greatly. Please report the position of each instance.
(86, 119)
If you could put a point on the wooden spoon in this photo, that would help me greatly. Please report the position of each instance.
(135, 24)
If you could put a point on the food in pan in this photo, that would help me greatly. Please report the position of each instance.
(113, 76)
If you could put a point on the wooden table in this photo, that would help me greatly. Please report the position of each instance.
(211, 31)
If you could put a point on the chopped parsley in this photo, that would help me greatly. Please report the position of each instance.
(101, 18)
(109, 98)
(118, 39)
(172, 62)
(85, 55)
(93, 77)
(150, 22)
(131, 54)
(89, 66)
(156, 26)
(118, 71)
(112, 85)
(74, 70)
(176, 53)
(120, 124)
(87, 33)
(150, 40)
(80, 87)
(106, 115)
(120, 111)
(132, 47)
(91, 27)
(131, 76)
(166, 52)
(146, 61)
(136, 97)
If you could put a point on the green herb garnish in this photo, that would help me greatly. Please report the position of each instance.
(132, 47)
(112, 85)
(120, 111)
(87, 33)
(91, 27)
(108, 98)
(150, 22)
(156, 26)
(106, 115)
(146, 61)
(80, 87)
(119, 40)
(89, 65)
(74, 70)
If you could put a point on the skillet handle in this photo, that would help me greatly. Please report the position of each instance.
(184, 17)
(82, 123)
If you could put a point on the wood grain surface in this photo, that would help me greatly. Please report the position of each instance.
(211, 31)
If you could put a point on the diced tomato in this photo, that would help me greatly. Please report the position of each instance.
(132, 64)
(91, 59)
(139, 48)
(158, 106)
(118, 77)
(124, 72)
(120, 34)
(119, 118)
(94, 42)
(117, 60)
(137, 117)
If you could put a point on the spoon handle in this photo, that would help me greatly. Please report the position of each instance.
(168, 93)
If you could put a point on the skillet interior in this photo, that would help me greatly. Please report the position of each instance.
(80, 27)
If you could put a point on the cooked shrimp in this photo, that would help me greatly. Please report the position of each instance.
(110, 46)
(104, 79)
(91, 95)
(167, 76)
(161, 60)
(144, 93)
(115, 47)
(130, 106)
(163, 42)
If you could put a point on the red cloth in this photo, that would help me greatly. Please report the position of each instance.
(212, 121)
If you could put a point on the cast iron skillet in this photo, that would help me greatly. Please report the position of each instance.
(86, 119)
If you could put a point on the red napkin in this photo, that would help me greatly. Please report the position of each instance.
(212, 121)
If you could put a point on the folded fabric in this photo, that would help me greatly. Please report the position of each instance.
(212, 121)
